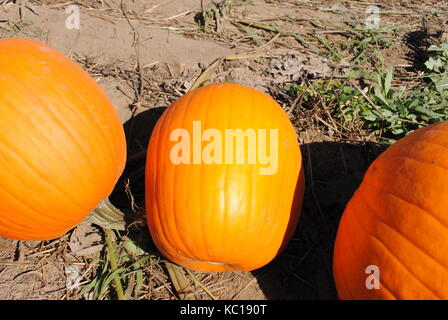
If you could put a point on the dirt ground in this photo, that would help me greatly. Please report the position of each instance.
(146, 54)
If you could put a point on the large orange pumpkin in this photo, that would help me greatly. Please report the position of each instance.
(392, 241)
(212, 215)
(62, 145)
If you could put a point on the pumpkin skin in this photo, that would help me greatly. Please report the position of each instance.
(216, 217)
(397, 220)
(62, 145)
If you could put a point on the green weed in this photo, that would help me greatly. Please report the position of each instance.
(130, 260)
(382, 109)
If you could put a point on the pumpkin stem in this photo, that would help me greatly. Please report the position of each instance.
(106, 215)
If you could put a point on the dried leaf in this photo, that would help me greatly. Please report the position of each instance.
(84, 241)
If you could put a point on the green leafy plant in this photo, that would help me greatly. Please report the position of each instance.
(383, 109)
(395, 112)
(208, 18)
(438, 67)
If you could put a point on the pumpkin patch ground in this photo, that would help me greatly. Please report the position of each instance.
(337, 71)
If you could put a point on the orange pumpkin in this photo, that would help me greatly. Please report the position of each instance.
(215, 207)
(62, 145)
(392, 241)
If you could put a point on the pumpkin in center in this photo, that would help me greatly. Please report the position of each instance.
(224, 179)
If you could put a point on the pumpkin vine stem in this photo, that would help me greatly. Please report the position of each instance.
(113, 263)
(107, 216)
(180, 282)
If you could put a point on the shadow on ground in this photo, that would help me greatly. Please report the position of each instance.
(418, 42)
(138, 131)
(304, 269)
(129, 192)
